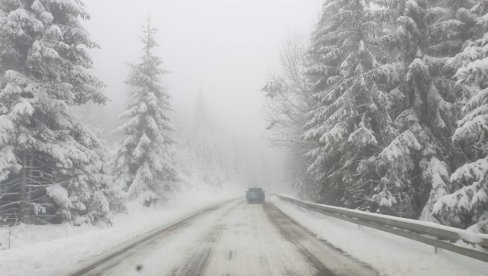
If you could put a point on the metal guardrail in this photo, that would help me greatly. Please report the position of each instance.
(438, 236)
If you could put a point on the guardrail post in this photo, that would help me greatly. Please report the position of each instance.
(66, 229)
(435, 249)
(9, 236)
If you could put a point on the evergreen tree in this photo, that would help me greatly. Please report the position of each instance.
(47, 158)
(415, 166)
(349, 123)
(467, 203)
(144, 162)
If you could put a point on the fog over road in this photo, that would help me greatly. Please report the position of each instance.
(234, 239)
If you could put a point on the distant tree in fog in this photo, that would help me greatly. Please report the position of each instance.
(289, 99)
(144, 163)
(289, 95)
(207, 147)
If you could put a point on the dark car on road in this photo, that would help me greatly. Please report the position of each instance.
(255, 195)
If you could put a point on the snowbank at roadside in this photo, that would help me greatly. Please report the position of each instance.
(58, 249)
(387, 253)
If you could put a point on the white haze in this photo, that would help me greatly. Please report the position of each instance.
(225, 49)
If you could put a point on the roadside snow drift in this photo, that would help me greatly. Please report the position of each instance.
(389, 254)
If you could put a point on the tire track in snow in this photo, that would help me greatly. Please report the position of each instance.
(327, 260)
(251, 245)
(198, 261)
(125, 251)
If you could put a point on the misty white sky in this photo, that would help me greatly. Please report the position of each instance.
(224, 48)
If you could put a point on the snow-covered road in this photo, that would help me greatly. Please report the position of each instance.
(235, 239)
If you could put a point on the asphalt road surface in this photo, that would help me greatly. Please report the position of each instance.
(233, 239)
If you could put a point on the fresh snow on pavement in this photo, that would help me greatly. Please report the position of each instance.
(387, 253)
(34, 254)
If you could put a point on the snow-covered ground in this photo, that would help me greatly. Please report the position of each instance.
(55, 249)
(389, 254)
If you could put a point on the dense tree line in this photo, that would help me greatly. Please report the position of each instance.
(397, 109)
(52, 168)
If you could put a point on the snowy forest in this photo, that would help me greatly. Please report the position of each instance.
(382, 108)
(385, 109)
(56, 164)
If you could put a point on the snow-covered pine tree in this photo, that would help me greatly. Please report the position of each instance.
(349, 123)
(47, 158)
(467, 204)
(144, 162)
(416, 164)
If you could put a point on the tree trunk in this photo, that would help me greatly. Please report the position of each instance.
(24, 191)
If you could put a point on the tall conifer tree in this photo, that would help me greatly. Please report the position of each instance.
(467, 202)
(144, 162)
(349, 123)
(48, 161)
